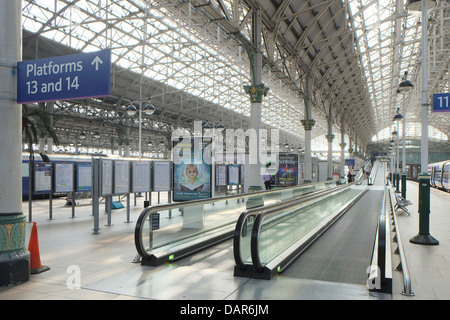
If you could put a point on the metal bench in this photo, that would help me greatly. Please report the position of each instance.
(402, 203)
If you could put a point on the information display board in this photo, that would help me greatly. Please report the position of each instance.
(63, 178)
(84, 176)
(43, 178)
(221, 175)
(121, 176)
(233, 175)
(161, 175)
(141, 176)
(192, 169)
(106, 175)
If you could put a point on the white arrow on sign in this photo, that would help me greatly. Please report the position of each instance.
(97, 60)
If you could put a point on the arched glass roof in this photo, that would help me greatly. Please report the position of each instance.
(152, 40)
(413, 130)
(356, 50)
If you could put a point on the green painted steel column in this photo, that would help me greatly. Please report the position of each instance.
(424, 236)
(403, 176)
(397, 182)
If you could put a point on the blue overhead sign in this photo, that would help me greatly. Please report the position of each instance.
(74, 76)
(350, 162)
(441, 102)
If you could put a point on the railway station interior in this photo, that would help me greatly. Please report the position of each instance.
(235, 151)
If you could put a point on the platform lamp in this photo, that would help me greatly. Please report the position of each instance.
(424, 237)
(405, 87)
(131, 110)
(397, 118)
(286, 146)
(148, 109)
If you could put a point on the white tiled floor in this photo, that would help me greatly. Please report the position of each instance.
(107, 273)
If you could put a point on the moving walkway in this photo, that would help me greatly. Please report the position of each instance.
(273, 228)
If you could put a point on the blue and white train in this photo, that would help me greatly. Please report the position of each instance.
(440, 175)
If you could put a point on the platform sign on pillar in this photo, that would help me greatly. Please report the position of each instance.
(441, 102)
(75, 76)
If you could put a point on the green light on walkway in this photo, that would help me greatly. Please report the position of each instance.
(171, 257)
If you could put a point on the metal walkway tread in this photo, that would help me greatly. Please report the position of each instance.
(343, 253)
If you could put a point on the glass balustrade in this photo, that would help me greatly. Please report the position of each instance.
(167, 229)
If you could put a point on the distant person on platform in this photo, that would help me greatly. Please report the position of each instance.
(267, 182)
(267, 177)
(349, 177)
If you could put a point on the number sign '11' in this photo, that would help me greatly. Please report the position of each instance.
(441, 102)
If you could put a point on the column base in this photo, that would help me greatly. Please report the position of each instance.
(424, 239)
(14, 268)
(14, 257)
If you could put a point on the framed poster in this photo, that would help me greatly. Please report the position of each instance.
(141, 174)
(287, 170)
(106, 177)
(64, 177)
(121, 176)
(43, 178)
(161, 175)
(192, 169)
(84, 176)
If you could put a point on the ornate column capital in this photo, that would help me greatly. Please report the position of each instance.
(256, 92)
(308, 124)
(330, 137)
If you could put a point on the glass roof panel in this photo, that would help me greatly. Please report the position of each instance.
(174, 53)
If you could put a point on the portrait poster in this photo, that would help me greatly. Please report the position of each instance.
(287, 175)
(192, 168)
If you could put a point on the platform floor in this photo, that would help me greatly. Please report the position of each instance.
(103, 262)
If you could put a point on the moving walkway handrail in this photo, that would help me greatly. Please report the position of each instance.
(382, 240)
(407, 287)
(373, 172)
(266, 213)
(151, 210)
(269, 209)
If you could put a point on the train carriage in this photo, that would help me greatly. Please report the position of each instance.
(440, 175)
